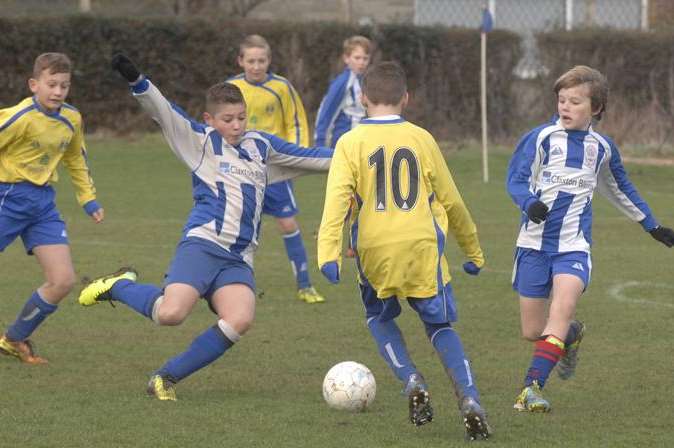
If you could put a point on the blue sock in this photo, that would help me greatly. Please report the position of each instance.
(31, 316)
(139, 297)
(392, 347)
(205, 349)
(298, 258)
(448, 345)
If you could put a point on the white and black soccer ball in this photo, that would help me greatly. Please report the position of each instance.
(349, 386)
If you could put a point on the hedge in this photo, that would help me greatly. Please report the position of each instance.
(185, 57)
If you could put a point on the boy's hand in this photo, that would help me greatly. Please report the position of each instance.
(471, 268)
(331, 271)
(93, 209)
(350, 253)
(125, 67)
(663, 234)
(537, 212)
(98, 216)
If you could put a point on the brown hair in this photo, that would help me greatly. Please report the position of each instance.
(254, 41)
(223, 93)
(54, 62)
(597, 83)
(352, 42)
(385, 83)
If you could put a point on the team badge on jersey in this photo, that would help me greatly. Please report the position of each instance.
(269, 110)
(590, 155)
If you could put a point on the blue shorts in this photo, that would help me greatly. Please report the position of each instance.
(534, 270)
(207, 267)
(29, 211)
(279, 200)
(433, 310)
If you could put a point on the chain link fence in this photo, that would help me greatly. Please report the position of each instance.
(528, 17)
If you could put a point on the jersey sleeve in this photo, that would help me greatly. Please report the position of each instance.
(295, 119)
(184, 135)
(340, 188)
(287, 160)
(614, 183)
(75, 161)
(329, 109)
(460, 222)
(10, 127)
(521, 170)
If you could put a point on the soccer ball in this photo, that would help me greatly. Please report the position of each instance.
(349, 386)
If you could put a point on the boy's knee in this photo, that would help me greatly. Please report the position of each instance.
(432, 329)
(60, 287)
(170, 316)
(241, 325)
(287, 225)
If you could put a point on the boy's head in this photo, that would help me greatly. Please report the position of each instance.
(356, 54)
(385, 84)
(254, 58)
(50, 82)
(226, 111)
(582, 94)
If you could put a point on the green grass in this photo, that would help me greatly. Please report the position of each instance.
(266, 392)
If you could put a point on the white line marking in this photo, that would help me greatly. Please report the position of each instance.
(618, 292)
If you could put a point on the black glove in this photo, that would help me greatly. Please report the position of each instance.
(663, 234)
(125, 67)
(537, 212)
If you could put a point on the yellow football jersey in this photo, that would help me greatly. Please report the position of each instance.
(33, 142)
(405, 203)
(274, 106)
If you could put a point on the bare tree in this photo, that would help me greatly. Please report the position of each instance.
(242, 7)
(233, 8)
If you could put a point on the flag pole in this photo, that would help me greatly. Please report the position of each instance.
(487, 25)
(483, 104)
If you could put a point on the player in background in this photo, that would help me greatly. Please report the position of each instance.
(551, 178)
(275, 107)
(35, 135)
(406, 201)
(341, 109)
(230, 168)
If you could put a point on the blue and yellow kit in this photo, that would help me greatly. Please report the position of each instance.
(405, 203)
(273, 106)
(33, 141)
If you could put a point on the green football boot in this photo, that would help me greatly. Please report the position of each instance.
(531, 399)
(98, 290)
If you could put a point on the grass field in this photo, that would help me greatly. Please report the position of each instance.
(266, 392)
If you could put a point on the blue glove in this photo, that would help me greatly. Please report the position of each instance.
(91, 207)
(331, 271)
(471, 268)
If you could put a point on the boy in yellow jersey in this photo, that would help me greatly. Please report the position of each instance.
(406, 201)
(274, 106)
(35, 135)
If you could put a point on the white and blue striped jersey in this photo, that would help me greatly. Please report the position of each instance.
(340, 109)
(228, 181)
(562, 168)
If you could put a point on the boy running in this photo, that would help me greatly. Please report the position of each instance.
(35, 135)
(406, 201)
